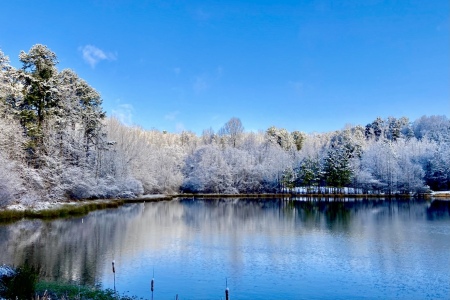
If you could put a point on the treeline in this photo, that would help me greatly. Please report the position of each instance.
(56, 143)
(53, 142)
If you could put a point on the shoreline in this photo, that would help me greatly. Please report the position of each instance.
(54, 210)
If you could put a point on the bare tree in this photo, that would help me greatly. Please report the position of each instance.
(233, 130)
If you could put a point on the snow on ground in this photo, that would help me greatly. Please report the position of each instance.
(441, 193)
(37, 206)
(6, 271)
(156, 196)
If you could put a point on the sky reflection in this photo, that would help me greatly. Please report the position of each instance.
(294, 249)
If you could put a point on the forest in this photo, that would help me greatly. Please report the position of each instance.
(56, 143)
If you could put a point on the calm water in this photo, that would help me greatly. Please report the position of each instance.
(267, 249)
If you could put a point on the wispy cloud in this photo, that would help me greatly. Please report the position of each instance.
(179, 127)
(219, 72)
(200, 85)
(201, 14)
(172, 115)
(173, 118)
(124, 112)
(93, 55)
(297, 86)
(177, 71)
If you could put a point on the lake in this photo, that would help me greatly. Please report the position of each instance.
(260, 248)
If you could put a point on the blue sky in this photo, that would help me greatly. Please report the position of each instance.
(312, 66)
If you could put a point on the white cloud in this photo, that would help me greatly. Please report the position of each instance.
(177, 71)
(124, 112)
(171, 116)
(93, 55)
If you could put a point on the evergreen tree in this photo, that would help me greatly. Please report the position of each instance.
(375, 129)
(337, 168)
(280, 137)
(40, 96)
(309, 172)
(298, 138)
(82, 107)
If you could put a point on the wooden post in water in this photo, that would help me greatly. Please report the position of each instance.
(152, 283)
(227, 291)
(114, 271)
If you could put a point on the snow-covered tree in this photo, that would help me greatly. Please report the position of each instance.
(437, 167)
(72, 151)
(375, 129)
(232, 131)
(298, 137)
(206, 171)
(280, 137)
(337, 168)
(11, 185)
(309, 172)
(41, 97)
(410, 177)
(208, 136)
(81, 107)
(436, 128)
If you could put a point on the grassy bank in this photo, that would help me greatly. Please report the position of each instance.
(67, 291)
(79, 208)
(23, 283)
(63, 211)
(445, 194)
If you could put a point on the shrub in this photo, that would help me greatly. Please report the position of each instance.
(21, 285)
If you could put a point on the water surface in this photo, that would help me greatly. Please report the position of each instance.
(278, 249)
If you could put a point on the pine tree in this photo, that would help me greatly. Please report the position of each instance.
(41, 97)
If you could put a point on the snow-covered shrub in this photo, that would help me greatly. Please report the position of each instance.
(10, 182)
(107, 188)
(80, 191)
(130, 186)
(6, 270)
(29, 199)
(110, 187)
(6, 274)
(19, 283)
(5, 194)
(76, 183)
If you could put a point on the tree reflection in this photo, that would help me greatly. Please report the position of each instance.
(438, 209)
(81, 249)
